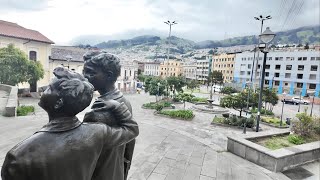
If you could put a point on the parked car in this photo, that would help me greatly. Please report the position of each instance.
(301, 101)
(289, 101)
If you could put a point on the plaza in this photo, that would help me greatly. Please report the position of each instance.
(166, 149)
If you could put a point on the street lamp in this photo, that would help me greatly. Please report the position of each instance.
(283, 102)
(69, 58)
(312, 104)
(158, 91)
(262, 19)
(248, 84)
(266, 37)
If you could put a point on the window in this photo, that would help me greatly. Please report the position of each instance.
(299, 76)
(286, 84)
(258, 66)
(287, 75)
(266, 81)
(277, 58)
(276, 74)
(312, 86)
(267, 66)
(281, 59)
(278, 66)
(241, 72)
(314, 68)
(277, 83)
(318, 58)
(267, 74)
(312, 76)
(289, 58)
(304, 58)
(288, 67)
(243, 65)
(270, 58)
(249, 66)
(33, 55)
(248, 72)
(299, 85)
(300, 67)
(313, 58)
(299, 58)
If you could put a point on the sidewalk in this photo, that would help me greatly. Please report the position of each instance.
(166, 149)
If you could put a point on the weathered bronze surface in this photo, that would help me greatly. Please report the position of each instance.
(65, 148)
(102, 70)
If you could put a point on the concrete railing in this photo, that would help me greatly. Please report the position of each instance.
(12, 103)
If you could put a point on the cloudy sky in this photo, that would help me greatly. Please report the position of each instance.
(63, 21)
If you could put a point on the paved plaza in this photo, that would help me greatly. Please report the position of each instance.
(166, 149)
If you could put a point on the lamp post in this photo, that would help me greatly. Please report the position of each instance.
(262, 19)
(158, 91)
(299, 101)
(266, 37)
(248, 84)
(312, 104)
(283, 102)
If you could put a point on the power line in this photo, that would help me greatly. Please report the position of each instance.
(289, 14)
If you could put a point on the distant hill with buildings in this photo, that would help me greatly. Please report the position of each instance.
(302, 35)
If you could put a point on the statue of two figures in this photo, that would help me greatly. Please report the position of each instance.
(99, 147)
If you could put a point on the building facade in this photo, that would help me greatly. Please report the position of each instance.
(202, 72)
(224, 63)
(34, 44)
(171, 68)
(190, 70)
(152, 68)
(292, 72)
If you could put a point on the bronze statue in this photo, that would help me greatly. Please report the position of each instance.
(65, 148)
(102, 70)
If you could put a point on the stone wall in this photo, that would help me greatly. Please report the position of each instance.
(12, 103)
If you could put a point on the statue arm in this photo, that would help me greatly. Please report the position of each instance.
(127, 130)
(11, 169)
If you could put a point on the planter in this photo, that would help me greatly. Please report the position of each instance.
(274, 160)
(233, 127)
(275, 126)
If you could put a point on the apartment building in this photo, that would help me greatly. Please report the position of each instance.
(204, 67)
(152, 68)
(171, 68)
(292, 72)
(190, 70)
(224, 63)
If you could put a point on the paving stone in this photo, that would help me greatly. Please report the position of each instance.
(192, 172)
(206, 178)
(175, 174)
(155, 176)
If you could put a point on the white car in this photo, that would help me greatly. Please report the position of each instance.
(300, 101)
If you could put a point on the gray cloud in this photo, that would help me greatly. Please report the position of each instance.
(208, 19)
(23, 5)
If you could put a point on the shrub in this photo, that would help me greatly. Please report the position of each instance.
(271, 120)
(24, 110)
(263, 111)
(218, 119)
(295, 139)
(304, 126)
(198, 99)
(159, 107)
(184, 114)
(228, 90)
(153, 105)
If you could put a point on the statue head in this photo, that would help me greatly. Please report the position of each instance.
(67, 94)
(101, 68)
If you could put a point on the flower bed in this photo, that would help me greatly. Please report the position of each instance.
(234, 121)
(153, 105)
(273, 121)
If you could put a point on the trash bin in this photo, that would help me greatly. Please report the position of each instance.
(288, 121)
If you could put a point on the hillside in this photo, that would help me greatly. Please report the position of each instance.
(309, 34)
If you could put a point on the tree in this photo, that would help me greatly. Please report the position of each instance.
(15, 67)
(210, 51)
(306, 46)
(142, 77)
(239, 101)
(154, 87)
(270, 98)
(215, 77)
(185, 97)
(192, 85)
(228, 90)
(177, 82)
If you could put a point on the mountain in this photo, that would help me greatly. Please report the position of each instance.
(308, 34)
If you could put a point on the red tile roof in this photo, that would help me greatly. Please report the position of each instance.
(10, 29)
